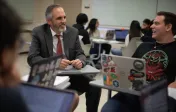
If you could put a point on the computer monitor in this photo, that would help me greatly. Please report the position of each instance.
(121, 34)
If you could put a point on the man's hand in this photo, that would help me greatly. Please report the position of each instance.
(77, 63)
(173, 85)
(64, 63)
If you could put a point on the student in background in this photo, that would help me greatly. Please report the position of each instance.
(81, 20)
(160, 62)
(135, 31)
(10, 97)
(147, 31)
(94, 33)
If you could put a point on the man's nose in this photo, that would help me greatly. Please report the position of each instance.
(63, 20)
(152, 26)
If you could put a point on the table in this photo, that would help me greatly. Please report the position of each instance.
(72, 71)
(99, 83)
(61, 82)
(101, 41)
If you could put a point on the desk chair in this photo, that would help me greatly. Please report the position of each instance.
(86, 49)
(132, 46)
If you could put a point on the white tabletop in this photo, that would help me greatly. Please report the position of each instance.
(102, 41)
(99, 83)
(172, 92)
(72, 71)
(61, 82)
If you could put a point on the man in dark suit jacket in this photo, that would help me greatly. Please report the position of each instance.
(44, 45)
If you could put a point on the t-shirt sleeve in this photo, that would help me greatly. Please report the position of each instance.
(137, 52)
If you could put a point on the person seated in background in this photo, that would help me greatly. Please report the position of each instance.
(134, 31)
(147, 31)
(10, 97)
(46, 43)
(93, 31)
(160, 62)
(81, 20)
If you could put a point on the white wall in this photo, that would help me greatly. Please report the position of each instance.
(164, 5)
(88, 10)
(39, 13)
(72, 8)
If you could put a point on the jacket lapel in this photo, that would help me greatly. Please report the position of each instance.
(49, 40)
(66, 42)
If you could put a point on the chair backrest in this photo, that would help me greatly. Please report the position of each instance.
(132, 46)
(86, 48)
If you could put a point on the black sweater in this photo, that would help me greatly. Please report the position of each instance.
(83, 33)
(160, 60)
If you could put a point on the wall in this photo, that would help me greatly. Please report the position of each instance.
(85, 9)
(165, 5)
(72, 8)
(39, 13)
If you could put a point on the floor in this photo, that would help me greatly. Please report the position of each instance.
(24, 69)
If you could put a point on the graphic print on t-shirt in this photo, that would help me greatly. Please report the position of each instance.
(156, 63)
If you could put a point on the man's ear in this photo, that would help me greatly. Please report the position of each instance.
(6, 58)
(48, 21)
(168, 27)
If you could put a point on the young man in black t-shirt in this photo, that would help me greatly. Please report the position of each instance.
(160, 59)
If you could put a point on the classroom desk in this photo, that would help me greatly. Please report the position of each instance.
(60, 82)
(101, 41)
(99, 83)
(72, 71)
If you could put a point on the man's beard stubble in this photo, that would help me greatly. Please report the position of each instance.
(59, 29)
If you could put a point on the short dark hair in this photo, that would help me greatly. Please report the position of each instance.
(81, 19)
(48, 12)
(10, 24)
(147, 21)
(170, 18)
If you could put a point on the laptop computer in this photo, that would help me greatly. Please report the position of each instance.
(123, 72)
(121, 35)
(42, 99)
(44, 72)
(110, 35)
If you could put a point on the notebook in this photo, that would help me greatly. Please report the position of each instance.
(42, 99)
(44, 72)
(123, 72)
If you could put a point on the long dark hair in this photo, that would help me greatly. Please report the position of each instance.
(135, 29)
(92, 25)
